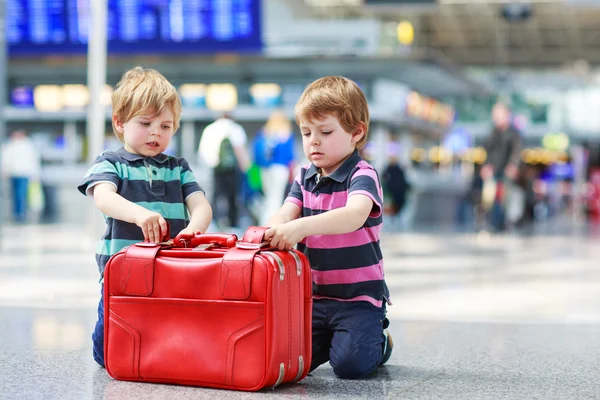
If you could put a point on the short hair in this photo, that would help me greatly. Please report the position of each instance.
(339, 96)
(278, 123)
(144, 91)
(503, 104)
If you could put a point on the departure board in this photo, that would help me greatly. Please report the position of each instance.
(48, 27)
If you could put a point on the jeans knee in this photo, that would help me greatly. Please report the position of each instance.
(353, 365)
(98, 348)
(98, 342)
(99, 357)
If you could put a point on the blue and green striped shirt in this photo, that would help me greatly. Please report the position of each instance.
(160, 184)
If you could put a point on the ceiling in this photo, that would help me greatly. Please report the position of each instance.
(473, 32)
(476, 34)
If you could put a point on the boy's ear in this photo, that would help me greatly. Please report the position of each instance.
(118, 124)
(359, 133)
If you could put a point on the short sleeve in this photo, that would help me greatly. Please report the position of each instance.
(103, 170)
(365, 181)
(295, 195)
(189, 185)
(237, 135)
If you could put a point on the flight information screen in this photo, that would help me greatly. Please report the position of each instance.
(135, 26)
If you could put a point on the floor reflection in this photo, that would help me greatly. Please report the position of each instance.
(469, 315)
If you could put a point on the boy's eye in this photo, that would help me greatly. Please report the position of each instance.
(326, 133)
(145, 123)
(166, 126)
(305, 133)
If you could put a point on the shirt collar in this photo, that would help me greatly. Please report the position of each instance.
(159, 158)
(340, 174)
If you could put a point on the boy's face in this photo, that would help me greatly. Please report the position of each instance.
(326, 144)
(501, 115)
(147, 135)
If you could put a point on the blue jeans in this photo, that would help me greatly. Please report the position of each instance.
(19, 192)
(98, 334)
(349, 335)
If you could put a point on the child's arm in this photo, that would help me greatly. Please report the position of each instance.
(117, 207)
(288, 212)
(200, 213)
(341, 220)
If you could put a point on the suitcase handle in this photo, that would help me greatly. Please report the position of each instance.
(254, 239)
(198, 239)
(255, 234)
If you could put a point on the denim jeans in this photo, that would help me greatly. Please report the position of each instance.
(98, 334)
(349, 335)
(19, 192)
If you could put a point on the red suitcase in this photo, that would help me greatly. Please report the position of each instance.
(222, 313)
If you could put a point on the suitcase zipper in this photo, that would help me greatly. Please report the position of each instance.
(281, 265)
(300, 358)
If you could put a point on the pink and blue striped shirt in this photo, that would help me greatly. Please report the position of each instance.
(345, 267)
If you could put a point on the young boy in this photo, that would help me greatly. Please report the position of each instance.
(139, 189)
(334, 213)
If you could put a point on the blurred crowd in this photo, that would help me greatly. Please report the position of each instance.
(252, 174)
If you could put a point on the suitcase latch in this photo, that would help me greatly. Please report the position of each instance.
(204, 246)
(251, 246)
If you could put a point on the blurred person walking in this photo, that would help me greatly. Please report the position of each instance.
(21, 165)
(274, 155)
(223, 148)
(396, 186)
(503, 147)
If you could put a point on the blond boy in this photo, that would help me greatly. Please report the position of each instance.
(334, 213)
(140, 190)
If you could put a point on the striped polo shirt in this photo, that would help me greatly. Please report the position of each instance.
(345, 267)
(160, 184)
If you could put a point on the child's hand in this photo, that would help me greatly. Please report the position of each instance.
(185, 237)
(153, 225)
(188, 232)
(285, 236)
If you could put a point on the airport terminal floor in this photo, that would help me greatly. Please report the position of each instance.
(512, 316)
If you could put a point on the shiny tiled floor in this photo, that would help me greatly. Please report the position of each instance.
(474, 317)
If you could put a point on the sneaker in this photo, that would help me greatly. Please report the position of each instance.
(388, 345)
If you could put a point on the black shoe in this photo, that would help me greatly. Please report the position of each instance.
(388, 345)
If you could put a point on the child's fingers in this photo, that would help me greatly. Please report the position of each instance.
(269, 234)
(163, 227)
(274, 242)
(145, 232)
(151, 234)
(156, 232)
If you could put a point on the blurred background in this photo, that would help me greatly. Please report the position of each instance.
(432, 71)
(485, 131)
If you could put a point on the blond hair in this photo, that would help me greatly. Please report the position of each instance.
(278, 123)
(144, 91)
(339, 96)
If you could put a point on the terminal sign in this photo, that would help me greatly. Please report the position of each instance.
(135, 26)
